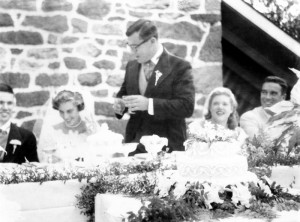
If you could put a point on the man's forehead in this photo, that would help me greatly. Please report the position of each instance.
(5, 96)
(271, 86)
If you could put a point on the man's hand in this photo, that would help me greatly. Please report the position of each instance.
(136, 102)
(119, 106)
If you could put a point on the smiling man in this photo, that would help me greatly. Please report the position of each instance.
(17, 145)
(158, 90)
(273, 91)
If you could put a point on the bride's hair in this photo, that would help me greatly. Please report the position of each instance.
(233, 118)
(67, 96)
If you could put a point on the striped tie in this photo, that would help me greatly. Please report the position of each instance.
(148, 69)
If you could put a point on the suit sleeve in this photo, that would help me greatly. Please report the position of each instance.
(182, 101)
(122, 92)
(31, 148)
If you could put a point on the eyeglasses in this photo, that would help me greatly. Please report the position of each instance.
(135, 47)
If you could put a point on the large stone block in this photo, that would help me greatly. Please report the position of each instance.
(189, 5)
(153, 4)
(126, 57)
(90, 79)
(104, 108)
(5, 20)
(54, 65)
(69, 40)
(197, 114)
(108, 29)
(79, 25)
(23, 114)
(28, 125)
(28, 5)
(56, 5)
(74, 63)
(15, 80)
(207, 78)
(29, 99)
(212, 48)
(140, 14)
(46, 80)
(179, 31)
(207, 18)
(213, 5)
(178, 50)
(29, 65)
(112, 52)
(88, 49)
(104, 64)
(57, 23)
(44, 53)
(16, 51)
(115, 80)
(116, 18)
(100, 93)
(21, 37)
(94, 9)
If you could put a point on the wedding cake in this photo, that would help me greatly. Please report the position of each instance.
(104, 142)
(214, 157)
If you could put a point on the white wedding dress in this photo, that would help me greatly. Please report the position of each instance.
(59, 143)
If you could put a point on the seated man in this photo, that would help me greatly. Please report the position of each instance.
(17, 145)
(273, 91)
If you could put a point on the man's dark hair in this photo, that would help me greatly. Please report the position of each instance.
(6, 88)
(146, 29)
(278, 80)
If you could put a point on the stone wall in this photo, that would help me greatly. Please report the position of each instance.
(46, 44)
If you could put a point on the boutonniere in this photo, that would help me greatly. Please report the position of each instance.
(15, 143)
(158, 74)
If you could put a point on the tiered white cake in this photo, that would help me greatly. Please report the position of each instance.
(218, 162)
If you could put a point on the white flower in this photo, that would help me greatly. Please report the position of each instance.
(163, 186)
(212, 194)
(180, 189)
(241, 193)
(15, 143)
(158, 74)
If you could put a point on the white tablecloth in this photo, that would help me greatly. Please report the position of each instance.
(52, 201)
(114, 208)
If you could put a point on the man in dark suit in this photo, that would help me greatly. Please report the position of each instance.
(158, 100)
(17, 145)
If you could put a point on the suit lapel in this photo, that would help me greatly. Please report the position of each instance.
(163, 66)
(13, 134)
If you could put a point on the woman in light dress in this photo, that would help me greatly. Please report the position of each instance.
(63, 137)
(220, 114)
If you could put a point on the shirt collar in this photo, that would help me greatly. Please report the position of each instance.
(6, 126)
(158, 53)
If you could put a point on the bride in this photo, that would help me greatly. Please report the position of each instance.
(68, 121)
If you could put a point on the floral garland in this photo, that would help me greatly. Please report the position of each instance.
(24, 173)
(206, 201)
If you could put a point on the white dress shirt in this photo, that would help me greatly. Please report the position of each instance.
(154, 59)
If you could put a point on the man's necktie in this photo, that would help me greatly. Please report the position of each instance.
(148, 69)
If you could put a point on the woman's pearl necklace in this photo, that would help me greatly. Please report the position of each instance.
(74, 126)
